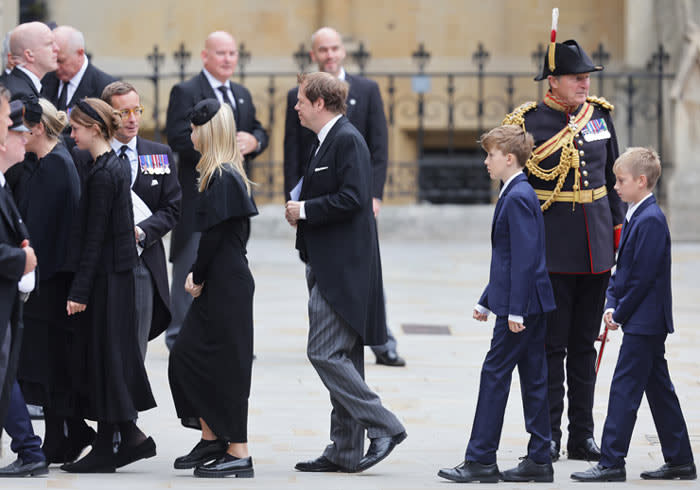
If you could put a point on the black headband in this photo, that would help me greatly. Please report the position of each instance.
(88, 110)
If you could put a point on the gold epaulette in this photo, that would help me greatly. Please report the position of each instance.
(517, 117)
(601, 101)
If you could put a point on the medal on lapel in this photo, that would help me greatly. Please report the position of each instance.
(154, 164)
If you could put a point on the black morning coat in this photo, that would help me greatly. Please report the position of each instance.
(19, 83)
(183, 98)
(365, 111)
(338, 238)
(12, 261)
(161, 192)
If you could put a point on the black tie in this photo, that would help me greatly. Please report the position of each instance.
(122, 152)
(61, 105)
(224, 92)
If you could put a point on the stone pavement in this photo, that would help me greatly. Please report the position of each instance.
(428, 281)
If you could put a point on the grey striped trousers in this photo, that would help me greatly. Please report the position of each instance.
(336, 352)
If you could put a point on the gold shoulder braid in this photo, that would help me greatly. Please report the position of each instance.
(563, 140)
(601, 101)
(517, 116)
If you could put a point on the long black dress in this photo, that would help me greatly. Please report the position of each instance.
(107, 367)
(211, 362)
(47, 191)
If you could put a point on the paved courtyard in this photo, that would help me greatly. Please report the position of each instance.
(433, 275)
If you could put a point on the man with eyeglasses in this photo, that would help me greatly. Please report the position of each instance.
(156, 194)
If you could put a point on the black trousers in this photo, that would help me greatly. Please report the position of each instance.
(570, 345)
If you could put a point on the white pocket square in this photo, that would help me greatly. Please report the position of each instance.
(154, 182)
(319, 169)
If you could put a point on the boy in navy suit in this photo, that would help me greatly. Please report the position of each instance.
(639, 300)
(519, 293)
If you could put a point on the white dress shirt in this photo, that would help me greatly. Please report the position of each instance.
(130, 153)
(215, 84)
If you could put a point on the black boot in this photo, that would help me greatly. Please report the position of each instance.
(101, 459)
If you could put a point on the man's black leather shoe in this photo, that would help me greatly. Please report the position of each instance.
(672, 472)
(94, 462)
(203, 452)
(391, 358)
(319, 465)
(226, 465)
(587, 450)
(554, 451)
(600, 473)
(528, 470)
(379, 448)
(18, 468)
(127, 455)
(471, 471)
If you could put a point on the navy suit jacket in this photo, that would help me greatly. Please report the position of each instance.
(640, 289)
(183, 97)
(365, 111)
(338, 238)
(161, 193)
(18, 83)
(91, 85)
(518, 280)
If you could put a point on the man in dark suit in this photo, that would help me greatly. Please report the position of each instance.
(154, 181)
(33, 47)
(75, 77)
(219, 57)
(365, 111)
(571, 172)
(337, 239)
(17, 280)
(639, 300)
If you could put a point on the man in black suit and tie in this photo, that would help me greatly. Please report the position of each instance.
(365, 111)
(154, 182)
(75, 77)
(33, 47)
(219, 57)
(17, 279)
(337, 239)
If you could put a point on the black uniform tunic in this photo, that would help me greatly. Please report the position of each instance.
(47, 191)
(211, 361)
(107, 369)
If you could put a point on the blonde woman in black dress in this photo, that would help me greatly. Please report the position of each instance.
(211, 361)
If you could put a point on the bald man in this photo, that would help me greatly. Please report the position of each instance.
(365, 111)
(219, 57)
(33, 48)
(75, 77)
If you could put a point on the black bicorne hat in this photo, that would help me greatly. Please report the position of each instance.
(204, 110)
(569, 59)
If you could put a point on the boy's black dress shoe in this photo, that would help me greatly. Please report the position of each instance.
(319, 465)
(226, 465)
(390, 358)
(471, 471)
(600, 473)
(379, 448)
(528, 470)
(672, 472)
(554, 451)
(129, 454)
(19, 468)
(587, 450)
(203, 452)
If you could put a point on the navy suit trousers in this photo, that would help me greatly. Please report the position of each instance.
(641, 368)
(508, 350)
(18, 426)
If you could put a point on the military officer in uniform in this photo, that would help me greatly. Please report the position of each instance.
(570, 169)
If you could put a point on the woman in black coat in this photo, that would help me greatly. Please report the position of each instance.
(111, 376)
(46, 188)
(211, 362)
